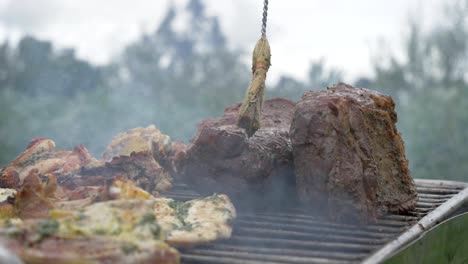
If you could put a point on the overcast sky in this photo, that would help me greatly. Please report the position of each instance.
(342, 32)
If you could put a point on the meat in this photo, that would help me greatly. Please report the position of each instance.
(140, 167)
(223, 159)
(130, 155)
(349, 158)
(41, 245)
(35, 198)
(178, 223)
(120, 231)
(40, 155)
(135, 140)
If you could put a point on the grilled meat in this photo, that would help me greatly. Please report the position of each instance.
(130, 155)
(178, 223)
(223, 159)
(39, 241)
(40, 155)
(349, 157)
(135, 140)
(133, 230)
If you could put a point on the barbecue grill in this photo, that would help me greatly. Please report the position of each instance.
(295, 236)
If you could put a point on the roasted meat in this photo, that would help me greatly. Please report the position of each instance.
(224, 159)
(36, 197)
(178, 223)
(40, 155)
(39, 241)
(135, 140)
(130, 156)
(349, 157)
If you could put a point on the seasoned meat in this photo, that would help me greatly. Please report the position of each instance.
(181, 223)
(36, 197)
(39, 244)
(349, 157)
(178, 223)
(223, 159)
(130, 155)
(135, 140)
(40, 155)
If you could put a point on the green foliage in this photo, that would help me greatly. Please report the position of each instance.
(181, 78)
(318, 78)
(435, 126)
(445, 243)
(431, 91)
(168, 78)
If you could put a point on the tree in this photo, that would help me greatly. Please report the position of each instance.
(431, 91)
(181, 77)
(318, 78)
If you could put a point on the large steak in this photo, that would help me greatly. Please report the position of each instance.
(349, 158)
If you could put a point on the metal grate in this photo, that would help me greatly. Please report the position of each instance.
(295, 236)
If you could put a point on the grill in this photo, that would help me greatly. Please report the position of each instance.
(295, 236)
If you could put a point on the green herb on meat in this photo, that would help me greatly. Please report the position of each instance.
(100, 232)
(185, 227)
(47, 228)
(129, 248)
(148, 218)
(181, 209)
(155, 230)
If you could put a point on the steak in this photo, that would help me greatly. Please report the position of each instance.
(349, 158)
(130, 155)
(224, 159)
(40, 155)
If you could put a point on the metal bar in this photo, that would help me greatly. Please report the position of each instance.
(282, 242)
(287, 251)
(323, 229)
(440, 183)
(319, 224)
(196, 258)
(265, 258)
(266, 232)
(427, 222)
(437, 191)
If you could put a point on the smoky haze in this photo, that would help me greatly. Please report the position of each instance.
(187, 69)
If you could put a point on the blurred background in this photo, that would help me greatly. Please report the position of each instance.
(80, 71)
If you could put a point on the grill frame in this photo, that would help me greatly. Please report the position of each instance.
(295, 236)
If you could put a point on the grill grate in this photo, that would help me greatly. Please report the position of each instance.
(295, 236)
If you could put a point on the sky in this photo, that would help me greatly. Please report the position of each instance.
(344, 34)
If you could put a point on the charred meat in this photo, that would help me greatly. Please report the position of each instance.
(349, 157)
(224, 159)
(40, 155)
(130, 156)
